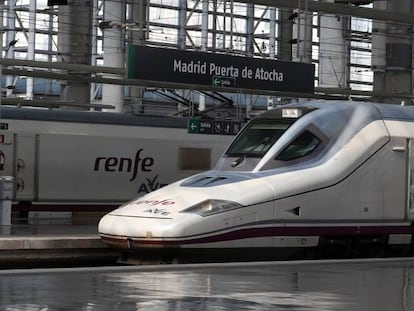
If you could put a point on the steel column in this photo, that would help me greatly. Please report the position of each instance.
(392, 57)
(333, 50)
(114, 52)
(74, 43)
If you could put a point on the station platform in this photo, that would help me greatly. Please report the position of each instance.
(55, 245)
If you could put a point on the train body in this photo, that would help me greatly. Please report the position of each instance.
(74, 160)
(302, 178)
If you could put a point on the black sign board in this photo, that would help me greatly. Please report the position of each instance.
(218, 127)
(56, 2)
(200, 68)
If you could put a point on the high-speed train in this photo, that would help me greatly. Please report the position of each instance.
(307, 178)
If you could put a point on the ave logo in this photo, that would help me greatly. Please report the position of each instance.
(150, 185)
(156, 206)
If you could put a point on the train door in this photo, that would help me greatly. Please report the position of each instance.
(25, 151)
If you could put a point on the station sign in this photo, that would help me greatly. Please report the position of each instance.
(217, 127)
(218, 70)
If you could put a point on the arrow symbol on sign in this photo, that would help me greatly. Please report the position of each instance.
(193, 126)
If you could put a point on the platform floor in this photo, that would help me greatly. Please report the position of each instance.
(38, 245)
(328, 285)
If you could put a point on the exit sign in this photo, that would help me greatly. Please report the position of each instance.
(217, 127)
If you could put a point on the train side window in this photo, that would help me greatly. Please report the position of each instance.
(303, 145)
(194, 158)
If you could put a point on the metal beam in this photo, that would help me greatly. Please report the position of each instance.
(338, 9)
(329, 93)
(324, 93)
(63, 66)
(153, 84)
(16, 101)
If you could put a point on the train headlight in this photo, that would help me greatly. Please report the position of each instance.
(211, 207)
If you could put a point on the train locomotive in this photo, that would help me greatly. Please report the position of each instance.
(317, 178)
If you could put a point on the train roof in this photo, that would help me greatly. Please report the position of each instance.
(386, 111)
(301, 135)
(383, 111)
(93, 117)
(396, 112)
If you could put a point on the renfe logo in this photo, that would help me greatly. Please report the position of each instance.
(112, 164)
(163, 202)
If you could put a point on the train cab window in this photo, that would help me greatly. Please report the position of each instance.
(303, 145)
(256, 140)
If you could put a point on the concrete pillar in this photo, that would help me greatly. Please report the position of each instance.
(302, 35)
(31, 45)
(2, 10)
(392, 54)
(302, 50)
(272, 45)
(114, 51)
(249, 48)
(231, 36)
(333, 50)
(204, 45)
(272, 32)
(10, 37)
(250, 30)
(181, 44)
(138, 36)
(74, 43)
(214, 16)
(182, 17)
(285, 34)
(94, 50)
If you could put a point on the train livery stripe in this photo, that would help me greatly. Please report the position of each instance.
(341, 231)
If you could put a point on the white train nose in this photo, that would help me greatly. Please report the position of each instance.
(136, 227)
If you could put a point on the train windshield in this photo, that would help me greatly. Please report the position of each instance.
(257, 138)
